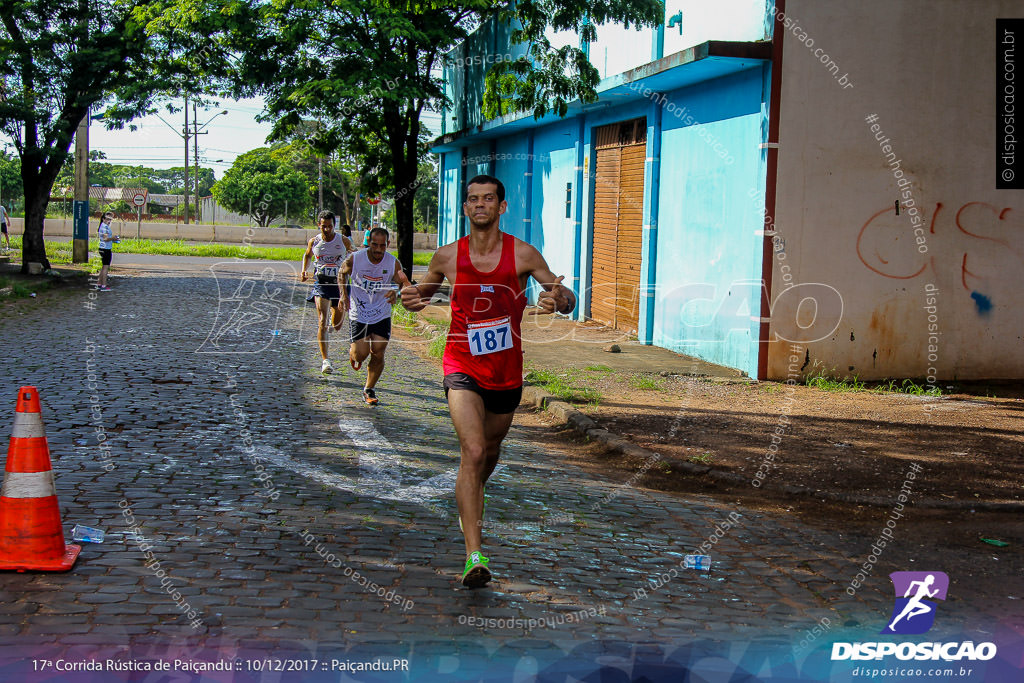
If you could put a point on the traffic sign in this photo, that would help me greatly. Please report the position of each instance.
(374, 201)
(139, 198)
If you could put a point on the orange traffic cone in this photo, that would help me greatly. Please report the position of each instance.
(30, 530)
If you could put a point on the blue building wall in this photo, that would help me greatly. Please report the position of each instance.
(705, 280)
(449, 216)
(511, 167)
(554, 162)
(708, 272)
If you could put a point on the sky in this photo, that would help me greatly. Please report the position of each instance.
(159, 144)
(155, 144)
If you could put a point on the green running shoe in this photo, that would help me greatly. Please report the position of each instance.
(477, 575)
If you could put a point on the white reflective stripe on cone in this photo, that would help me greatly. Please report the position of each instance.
(28, 426)
(28, 485)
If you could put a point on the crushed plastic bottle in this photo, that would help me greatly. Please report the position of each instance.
(699, 562)
(87, 534)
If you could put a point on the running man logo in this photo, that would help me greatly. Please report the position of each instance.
(914, 610)
(249, 306)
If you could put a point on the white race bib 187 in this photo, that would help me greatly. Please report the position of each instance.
(489, 336)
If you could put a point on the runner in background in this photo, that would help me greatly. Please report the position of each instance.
(372, 280)
(327, 250)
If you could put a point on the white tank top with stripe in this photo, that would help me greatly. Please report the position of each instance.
(328, 256)
(370, 281)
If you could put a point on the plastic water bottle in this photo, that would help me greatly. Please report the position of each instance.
(699, 562)
(88, 534)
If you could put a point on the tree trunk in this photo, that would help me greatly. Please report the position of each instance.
(405, 165)
(33, 249)
(405, 225)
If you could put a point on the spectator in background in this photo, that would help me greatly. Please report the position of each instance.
(366, 235)
(3, 227)
(346, 237)
(107, 240)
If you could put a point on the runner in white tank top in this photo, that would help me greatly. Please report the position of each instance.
(373, 277)
(327, 251)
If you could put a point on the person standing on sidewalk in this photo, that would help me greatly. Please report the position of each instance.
(346, 237)
(372, 280)
(106, 249)
(483, 357)
(327, 251)
(4, 221)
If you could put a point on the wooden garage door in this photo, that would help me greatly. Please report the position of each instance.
(620, 150)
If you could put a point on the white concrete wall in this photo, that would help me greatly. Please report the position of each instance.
(224, 234)
(619, 49)
(926, 69)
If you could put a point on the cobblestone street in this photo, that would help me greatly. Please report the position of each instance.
(256, 509)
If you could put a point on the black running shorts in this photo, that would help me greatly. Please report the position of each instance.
(497, 401)
(325, 287)
(360, 330)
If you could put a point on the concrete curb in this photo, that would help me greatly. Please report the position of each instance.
(585, 426)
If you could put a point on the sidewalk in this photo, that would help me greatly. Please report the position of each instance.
(557, 343)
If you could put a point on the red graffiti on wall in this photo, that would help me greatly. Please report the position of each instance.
(901, 249)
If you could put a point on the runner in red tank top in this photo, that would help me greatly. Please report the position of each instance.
(486, 313)
(483, 359)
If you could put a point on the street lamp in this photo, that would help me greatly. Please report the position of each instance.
(198, 130)
(184, 136)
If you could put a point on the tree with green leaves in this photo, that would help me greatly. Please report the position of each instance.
(546, 78)
(365, 72)
(264, 183)
(337, 172)
(10, 179)
(58, 58)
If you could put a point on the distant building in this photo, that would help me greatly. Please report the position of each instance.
(779, 187)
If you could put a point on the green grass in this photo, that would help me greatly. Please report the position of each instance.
(908, 386)
(598, 368)
(645, 382)
(401, 317)
(436, 347)
(60, 252)
(703, 458)
(563, 386)
(419, 258)
(407, 319)
(24, 290)
(826, 383)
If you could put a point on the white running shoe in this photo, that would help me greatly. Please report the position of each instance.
(326, 368)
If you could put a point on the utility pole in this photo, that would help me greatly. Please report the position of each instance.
(195, 148)
(186, 159)
(80, 229)
(197, 130)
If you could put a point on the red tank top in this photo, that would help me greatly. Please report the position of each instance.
(487, 311)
